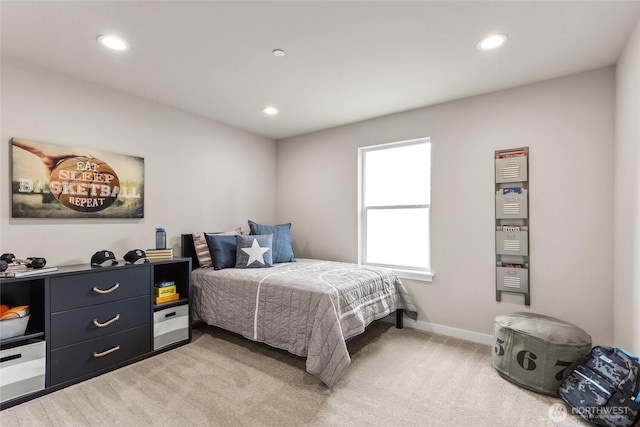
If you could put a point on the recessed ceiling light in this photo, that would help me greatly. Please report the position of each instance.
(113, 42)
(492, 42)
(270, 111)
(279, 53)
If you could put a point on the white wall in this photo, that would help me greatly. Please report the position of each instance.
(199, 175)
(627, 197)
(192, 165)
(567, 123)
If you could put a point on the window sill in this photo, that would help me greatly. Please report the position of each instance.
(420, 276)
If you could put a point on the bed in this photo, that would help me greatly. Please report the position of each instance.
(307, 307)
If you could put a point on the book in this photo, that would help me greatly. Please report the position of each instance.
(24, 272)
(168, 251)
(159, 253)
(15, 267)
(164, 284)
(167, 290)
(508, 190)
(167, 298)
(512, 265)
(519, 153)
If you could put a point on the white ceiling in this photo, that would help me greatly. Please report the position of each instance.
(346, 60)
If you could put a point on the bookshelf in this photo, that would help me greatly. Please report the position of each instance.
(171, 318)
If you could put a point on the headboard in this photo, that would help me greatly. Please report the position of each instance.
(189, 250)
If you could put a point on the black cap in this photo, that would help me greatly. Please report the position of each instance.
(103, 258)
(136, 256)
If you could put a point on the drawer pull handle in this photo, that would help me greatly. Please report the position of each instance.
(170, 314)
(12, 357)
(106, 291)
(104, 353)
(107, 323)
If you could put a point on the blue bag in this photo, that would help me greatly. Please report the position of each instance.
(605, 389)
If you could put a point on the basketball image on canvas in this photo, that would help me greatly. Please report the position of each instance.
(86, 184)
(80, 183)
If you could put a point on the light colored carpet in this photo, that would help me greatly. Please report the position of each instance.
(397, 377)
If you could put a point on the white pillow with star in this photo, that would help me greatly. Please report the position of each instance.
(254, 251)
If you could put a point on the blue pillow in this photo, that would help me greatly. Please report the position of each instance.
(222, 249)
(254, 251)
(282, 250)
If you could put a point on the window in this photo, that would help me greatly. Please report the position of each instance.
(395, 201)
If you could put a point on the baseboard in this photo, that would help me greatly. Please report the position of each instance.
(444, 330)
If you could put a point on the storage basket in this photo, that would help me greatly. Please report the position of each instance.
(14, 327)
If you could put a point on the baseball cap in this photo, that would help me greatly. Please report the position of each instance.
(136, 256)
(103, 258)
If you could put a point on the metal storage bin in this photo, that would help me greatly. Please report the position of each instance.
(170, 325)
(512, 243)
(22, 370)
(10, 328)
(512, 279)
(512, 205)
(511, 169)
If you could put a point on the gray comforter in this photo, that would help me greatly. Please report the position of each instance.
(308, 307)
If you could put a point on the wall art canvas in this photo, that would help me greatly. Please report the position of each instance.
(59, 181)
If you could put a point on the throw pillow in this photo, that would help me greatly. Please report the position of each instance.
(254, 251)
(202, 250)
(282, 250)
(222, 248)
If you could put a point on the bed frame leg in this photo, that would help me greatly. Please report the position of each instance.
(399, 318)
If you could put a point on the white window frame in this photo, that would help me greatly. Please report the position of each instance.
(413, 273)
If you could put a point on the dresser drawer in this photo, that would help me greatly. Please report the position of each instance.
(72, 326)
(81, 290)
(90, 356)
